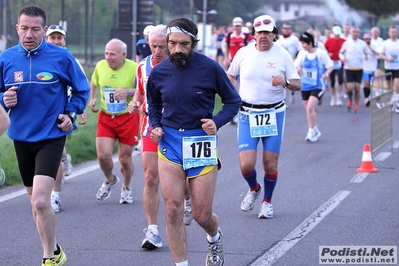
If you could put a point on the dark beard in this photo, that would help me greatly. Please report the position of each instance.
(180, 59)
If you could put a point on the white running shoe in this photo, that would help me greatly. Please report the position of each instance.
(333, 101)
(152, 240)
(215, 256)
(317, 132)
(249, 201)
(266, 211)
(105, 190)
(339, 101)
(292, 98)
(187, 217)
(55, 203)
(2, 177)
(67, 165)
(126, 196)
(311, 136)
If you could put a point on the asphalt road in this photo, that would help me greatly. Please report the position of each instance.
(320, 200)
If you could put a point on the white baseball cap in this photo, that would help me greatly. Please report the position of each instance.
(55, 28)
(148, 29)
(336, 30)
(237, 21)
(264, 23)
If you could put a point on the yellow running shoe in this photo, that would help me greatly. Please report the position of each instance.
(49, 262)
(61, 258)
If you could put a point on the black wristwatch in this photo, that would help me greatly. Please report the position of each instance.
(287, 83)
(72, 116)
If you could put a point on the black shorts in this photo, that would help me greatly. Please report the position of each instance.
(340, 74)
(318, 93)
(395, 73)
(354, 75)
(39, 158)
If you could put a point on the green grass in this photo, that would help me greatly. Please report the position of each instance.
(81, 145)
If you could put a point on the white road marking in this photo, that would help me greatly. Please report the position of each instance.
(74, 174)
(359, 178)
(277, 251)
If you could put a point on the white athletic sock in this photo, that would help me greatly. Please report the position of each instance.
(213, 239)
(183, 263)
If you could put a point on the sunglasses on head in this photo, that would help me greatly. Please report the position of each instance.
(265, 22)
(56, 27)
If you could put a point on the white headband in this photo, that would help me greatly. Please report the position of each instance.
(179, 30)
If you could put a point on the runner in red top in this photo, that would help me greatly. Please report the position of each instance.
(333, 45)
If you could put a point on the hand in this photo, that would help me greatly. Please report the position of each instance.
(132, 106)
(156, 134)
(120, 94)
(92, 105)
(83, 117)
(278, 81)
(66, 123)
(209, 126)
(10, 97)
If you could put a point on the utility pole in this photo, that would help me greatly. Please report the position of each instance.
(62, 10)
(204, 14)
(134, 29)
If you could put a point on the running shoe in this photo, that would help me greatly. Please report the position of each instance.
(367, 102)
(61, 258)
(138, 146)
(355, 108)
(266, 211)
(333, 101)
(349, 105)
(2, 177)
(317, 132)
(126, 196)
(151, 240)
(249, 201)
(311, 136)
(339, 101)
(105, 190)
(292, 98)
(396, 105)
(215, 255)
(67, 165)
(55, 203)
(49, 262)
(188, 217)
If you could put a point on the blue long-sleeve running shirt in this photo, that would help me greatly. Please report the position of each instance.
(180, 98)
(42, 76)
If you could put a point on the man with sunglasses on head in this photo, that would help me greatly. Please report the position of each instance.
(34, 76)
(56, 34)
(266, 70)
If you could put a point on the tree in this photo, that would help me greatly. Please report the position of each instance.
(226, 10)
(378, 8)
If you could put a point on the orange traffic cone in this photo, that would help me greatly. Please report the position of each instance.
(367, 162)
